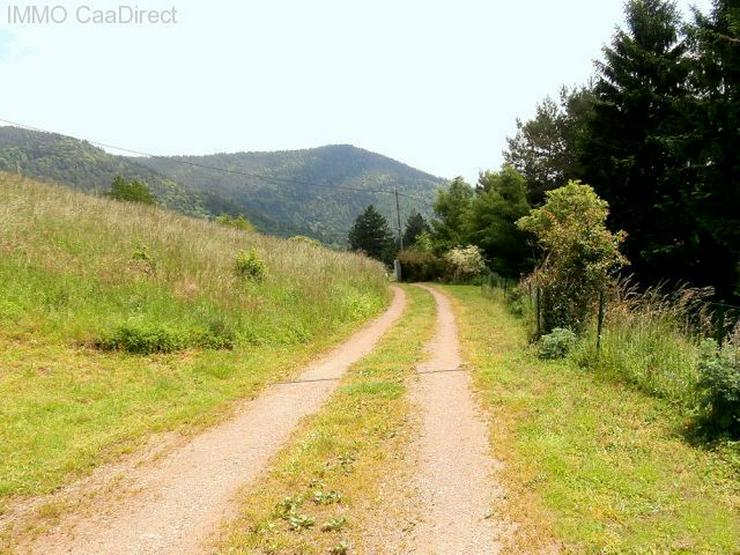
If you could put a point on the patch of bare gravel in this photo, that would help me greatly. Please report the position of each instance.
(177, 501)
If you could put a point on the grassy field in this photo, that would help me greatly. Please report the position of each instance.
(118, 320)
(591, 463)
(323, 485)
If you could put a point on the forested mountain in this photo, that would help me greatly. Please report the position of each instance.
(80, 165)
(302, 191)
(284, 193)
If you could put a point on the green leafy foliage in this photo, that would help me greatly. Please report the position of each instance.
(249, 265)
(342, 548)
(298, 521)
(80, 165)
(464, 264)
(557, 344)
(143, 338)
(719, 383)
(640, 86)
(334, 524)
(415, 226)
(712, 146)
(516, 301)
(239, 222)
(131, 191)
(545, 149)
(579, 253)
(500, 200)
(418, 265)
(330, 497)
(450, 213)
(655, 132)
(284, 203)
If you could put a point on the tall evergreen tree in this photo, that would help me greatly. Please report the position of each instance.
(450, 211)
(712, 143)
(415, 226)
(500, 201)
(630, 154)
(372, 235)
(546, 148)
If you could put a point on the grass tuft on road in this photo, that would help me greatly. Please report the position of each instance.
(590, 463)
(315, 498)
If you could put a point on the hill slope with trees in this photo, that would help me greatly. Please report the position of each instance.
(315, 192)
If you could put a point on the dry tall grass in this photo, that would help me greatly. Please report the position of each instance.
(76, 267)
(651, 339)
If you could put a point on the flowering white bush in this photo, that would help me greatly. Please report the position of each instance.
(465, 263)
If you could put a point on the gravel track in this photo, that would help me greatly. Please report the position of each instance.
(183, 497)
(455, 470)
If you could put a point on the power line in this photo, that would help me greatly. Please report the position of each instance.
(253, 175)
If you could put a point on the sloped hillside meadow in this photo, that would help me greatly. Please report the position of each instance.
(118, 320)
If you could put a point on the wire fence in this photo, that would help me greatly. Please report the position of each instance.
(713, 319)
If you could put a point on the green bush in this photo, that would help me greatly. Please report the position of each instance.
(719, 384)
(249, 265)
(131, 191)
(580, 254)
(417, 265)
(148, 338)
(557, 343)
(239, 222)
(143, 339)
(465, 264)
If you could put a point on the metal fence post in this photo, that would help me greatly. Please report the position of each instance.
(721, 330)
(600, 322)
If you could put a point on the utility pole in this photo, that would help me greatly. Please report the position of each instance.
(396, 262)
(398, 216)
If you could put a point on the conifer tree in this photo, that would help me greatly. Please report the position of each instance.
(372, 235)
(630, 153)
(415, 226)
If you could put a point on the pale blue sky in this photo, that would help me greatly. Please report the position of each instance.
(437, 85)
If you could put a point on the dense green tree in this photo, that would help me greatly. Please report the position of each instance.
(630, 152)
(131, 191)
(579, 253)
(372, 235)
(712, 143)
(450, 212)
(500, 201)
(415, 226)
(546, 149)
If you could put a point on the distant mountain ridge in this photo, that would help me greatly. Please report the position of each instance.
(316, 192)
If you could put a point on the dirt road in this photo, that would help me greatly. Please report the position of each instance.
(454, 476)
(184, 496)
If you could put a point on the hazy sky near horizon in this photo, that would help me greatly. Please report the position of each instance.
(437, 85)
